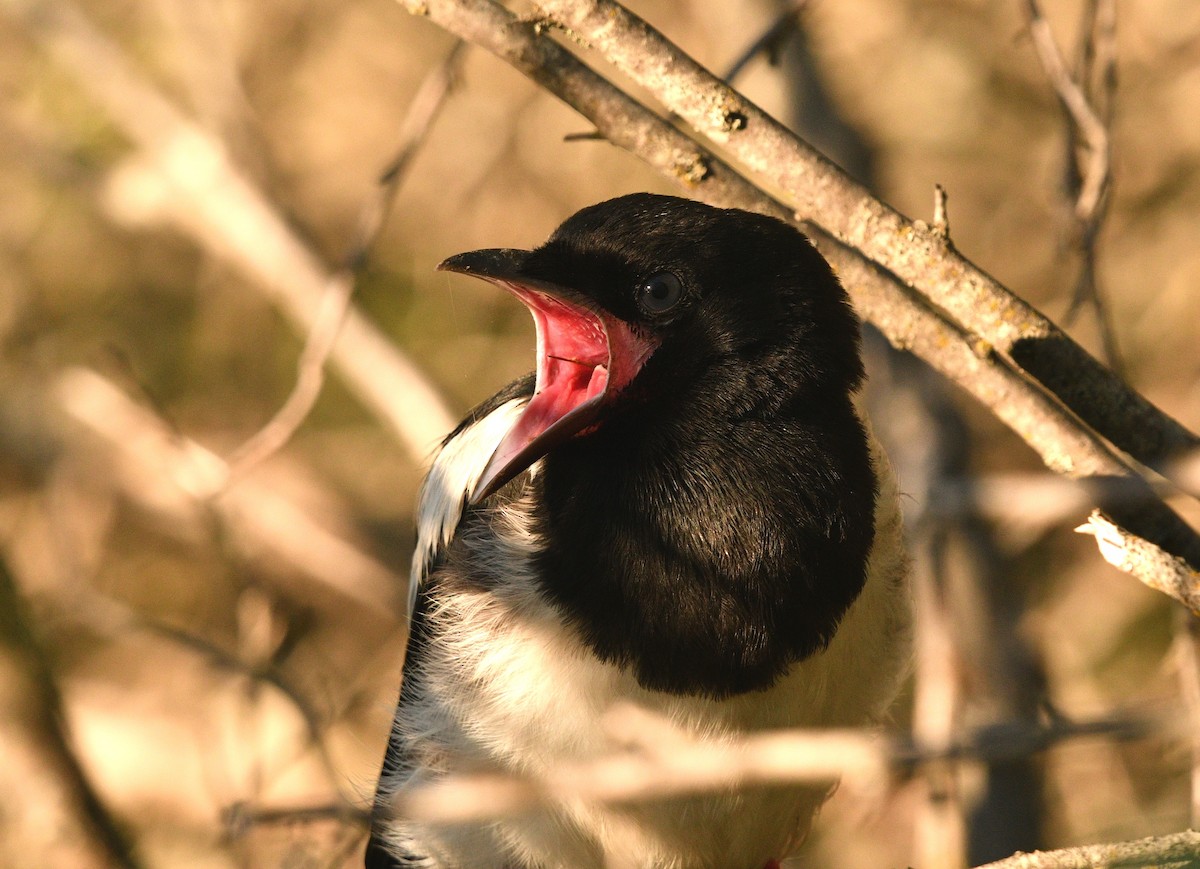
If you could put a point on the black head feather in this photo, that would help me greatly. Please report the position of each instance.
(754, 289)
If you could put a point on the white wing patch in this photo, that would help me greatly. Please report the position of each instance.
(451, 483)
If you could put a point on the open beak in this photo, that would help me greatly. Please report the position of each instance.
(585, 357)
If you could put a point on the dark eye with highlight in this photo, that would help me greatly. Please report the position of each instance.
(659, 293)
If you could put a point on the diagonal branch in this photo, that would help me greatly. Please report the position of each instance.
(168, 472)
(335, 301)
(901, 313)
(821, 192)
(182, 175)
(1178, 851)
(34, 722)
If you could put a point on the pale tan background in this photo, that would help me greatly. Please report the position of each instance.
(161, 619)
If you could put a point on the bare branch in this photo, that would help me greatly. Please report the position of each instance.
(772, 39)
(1176, 851)
(33, 724)
(184, 176)
(1090, 148)
(939, 828)
(1095, 133)
(310, 378)
(335, 301)
(168, 473)
(241, 817)
(111, 618)
(658, 759)
(414, 129)
(824, 194)
(1038, 500)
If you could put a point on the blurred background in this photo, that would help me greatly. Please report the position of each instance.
(206, 668)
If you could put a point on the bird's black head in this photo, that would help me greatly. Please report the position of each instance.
(646, 303)
(706, 506)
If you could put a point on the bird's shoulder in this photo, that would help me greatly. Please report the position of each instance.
(455, 473)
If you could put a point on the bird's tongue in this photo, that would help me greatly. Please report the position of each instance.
(582, 356)
(572, 360)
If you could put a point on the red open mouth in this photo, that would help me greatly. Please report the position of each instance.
(585, 357)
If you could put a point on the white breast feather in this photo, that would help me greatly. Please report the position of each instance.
(450, 484)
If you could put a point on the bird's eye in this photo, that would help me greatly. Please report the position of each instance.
(659, 293)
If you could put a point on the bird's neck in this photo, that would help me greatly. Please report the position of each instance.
(709, 556)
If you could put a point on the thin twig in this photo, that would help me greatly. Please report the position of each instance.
(1086, 99)
(1095, 175)
(659, 760)
(771, 41)
(1143, 560)
(310, 378)
(335, 301)
(155, 467)
(239, 818)
(1187, 657)
(426, 105)
(34, 721)
(183, 176)
(940, 836)
(941, 216)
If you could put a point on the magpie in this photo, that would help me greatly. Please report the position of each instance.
(682, 508)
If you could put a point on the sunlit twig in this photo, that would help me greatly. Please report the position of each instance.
(1180, 850)
(178, 476)
(183, 176)
(657, 760)
(335, 301)
(1087, 100)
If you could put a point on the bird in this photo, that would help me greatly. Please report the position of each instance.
(682, 509)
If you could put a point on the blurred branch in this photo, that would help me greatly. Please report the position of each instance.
(32, 721)
(909, 319)
(658, 759)
(1095, 173)
(240, 818)
(310, 378)
(771, 41)
(174, 475)
(183, 176)
(422, 112)
(1187, 657)
(111, 618)
(335, 301)
(939, 828)
(1041, 500)
(1088, 110)
(1176, 851)
(820, 192)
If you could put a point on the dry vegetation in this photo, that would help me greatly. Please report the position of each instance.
(222, 653)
